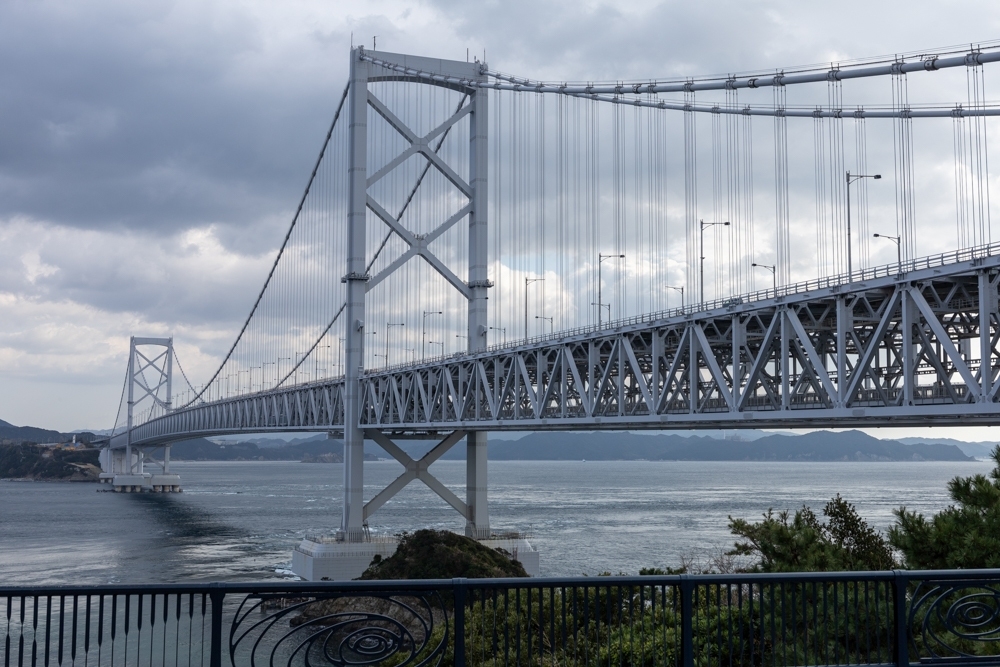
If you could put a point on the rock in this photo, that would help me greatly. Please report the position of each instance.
(440, 554)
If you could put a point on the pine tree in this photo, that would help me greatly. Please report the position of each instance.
(802, 543)
(965, 535)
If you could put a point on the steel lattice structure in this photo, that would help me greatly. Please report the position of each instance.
(790, 369)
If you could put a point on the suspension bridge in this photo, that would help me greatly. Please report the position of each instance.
(476, 251)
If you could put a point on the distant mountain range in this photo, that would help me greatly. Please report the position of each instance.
(575, 446)
(977, 449)
(29, 434)
(317, 449)
(611, 446)
(18, 434)
(816, 446)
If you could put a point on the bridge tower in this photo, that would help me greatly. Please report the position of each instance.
(372, 65)
(148, 386)
(351, 542)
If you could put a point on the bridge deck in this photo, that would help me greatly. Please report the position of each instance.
(882, 349)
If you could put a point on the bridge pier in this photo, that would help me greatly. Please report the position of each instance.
(165, 481)
(477, 517)
(341, 557)
(124, 469)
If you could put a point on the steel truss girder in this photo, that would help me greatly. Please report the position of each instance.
(901, 350)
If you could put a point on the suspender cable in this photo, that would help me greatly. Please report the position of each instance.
(281, 250)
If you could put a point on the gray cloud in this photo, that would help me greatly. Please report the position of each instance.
(142, 119)
(151, 154)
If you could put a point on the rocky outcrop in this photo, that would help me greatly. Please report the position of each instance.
(35, 462)
(425, 554)
(441, 554)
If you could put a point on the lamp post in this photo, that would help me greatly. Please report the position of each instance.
(316, 362)
(373, 333)
(388, 330)
(677, 289)
(340, 357)
(528, 281)
(423, 331)
(600, 303)
(466, 340)
(774, 275)
(896, 240)
(434, 342)
(701, 252)
(850, 179)
(552, 325)
(599, 306)
(298, 363)
(503, 332)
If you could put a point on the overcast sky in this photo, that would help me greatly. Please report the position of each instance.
(152, 153)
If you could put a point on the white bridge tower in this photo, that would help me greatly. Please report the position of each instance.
(149, 385)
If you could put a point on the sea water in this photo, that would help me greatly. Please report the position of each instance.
(240, 520)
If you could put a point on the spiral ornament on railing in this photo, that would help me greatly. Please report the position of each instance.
(343, 630)
(952, 620)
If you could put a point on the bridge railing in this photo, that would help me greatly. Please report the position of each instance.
(847, 618)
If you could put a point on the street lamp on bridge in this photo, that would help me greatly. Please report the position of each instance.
(896, 240)
(528, 281)
(503, 333)
(551, 321)
(851, 179)
(423, 331)
(701, 245)
(774, 274)
(388, 330)
(599, 306)
(600, 303)
(677, 289)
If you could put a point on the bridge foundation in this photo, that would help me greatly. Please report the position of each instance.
(340, 557)
(326, 558)
(124, 469)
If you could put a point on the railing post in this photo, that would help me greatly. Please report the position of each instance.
(687, 621)
(458, 585)
(216, 595)
(902, 619)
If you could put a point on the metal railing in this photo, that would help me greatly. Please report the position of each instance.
(811, 619)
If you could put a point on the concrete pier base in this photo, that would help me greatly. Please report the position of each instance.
(130, 483)
(318, 558)
(520, 550)
(165, 483)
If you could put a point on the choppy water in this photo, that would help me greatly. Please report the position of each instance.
(240, 520)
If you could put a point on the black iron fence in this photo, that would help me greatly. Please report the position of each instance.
(850, 618)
